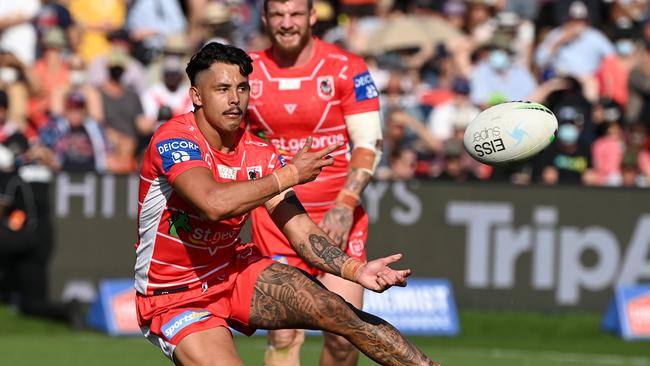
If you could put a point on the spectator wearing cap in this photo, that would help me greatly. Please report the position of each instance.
(574, 48)
(96, 19)
(216, 24)
(567, 159)
(52, 14)
(150, 22)
(123, 115)
(17, 33)
(165, 99)
(76, 139)
(177, 46)
(453, 114)
(497, 76)
(53, 73)
(77, 83)
(134, 73)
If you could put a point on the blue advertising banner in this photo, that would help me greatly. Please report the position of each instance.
(628, 314)
(114, 309)
(425, 307)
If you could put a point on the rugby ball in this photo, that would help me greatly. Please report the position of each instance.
(510, 132)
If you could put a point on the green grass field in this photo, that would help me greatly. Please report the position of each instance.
(487, 338)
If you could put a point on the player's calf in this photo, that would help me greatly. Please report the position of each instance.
(338, 351)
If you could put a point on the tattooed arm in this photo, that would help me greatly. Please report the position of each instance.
(313, 245)
(337, 221)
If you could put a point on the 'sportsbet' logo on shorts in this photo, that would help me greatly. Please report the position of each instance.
(174, 151)
(182, 320)
(364, 87)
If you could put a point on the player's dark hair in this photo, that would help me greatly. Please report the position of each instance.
(310, 4)
(217, 52)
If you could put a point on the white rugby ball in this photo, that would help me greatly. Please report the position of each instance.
(510, 132)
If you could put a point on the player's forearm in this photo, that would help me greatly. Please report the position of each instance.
(307, 239)
(228, 200)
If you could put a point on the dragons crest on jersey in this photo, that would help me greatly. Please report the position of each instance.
(254, 172)
(325, 85)
(257, 87)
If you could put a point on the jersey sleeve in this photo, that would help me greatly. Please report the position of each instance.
(175, 151)
(358, 91)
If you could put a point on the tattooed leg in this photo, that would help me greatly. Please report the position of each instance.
(285, 298)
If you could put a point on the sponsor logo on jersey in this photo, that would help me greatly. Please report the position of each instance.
(282, 161)
(325, 85)
(254, 172)
(319, 142)
(182, 320)
(174, 151)
(257, 87)
(364, 87)
(227, 172)
(206, 237)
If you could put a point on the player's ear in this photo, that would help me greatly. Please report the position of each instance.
(312, 16)
(195, 96)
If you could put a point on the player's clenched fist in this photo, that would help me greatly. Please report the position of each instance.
(309, 164)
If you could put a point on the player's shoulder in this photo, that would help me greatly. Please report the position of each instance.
(336, 54)
(257, 56)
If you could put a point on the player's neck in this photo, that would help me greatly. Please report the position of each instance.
(295, 60)
(222, 141)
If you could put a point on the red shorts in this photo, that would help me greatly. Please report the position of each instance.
(166, 319)
(273, 243)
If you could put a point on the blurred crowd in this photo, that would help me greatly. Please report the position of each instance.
(84, 84)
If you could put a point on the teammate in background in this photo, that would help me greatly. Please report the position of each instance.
(201, 175)
(300, 87)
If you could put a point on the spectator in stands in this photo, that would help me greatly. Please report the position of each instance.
(575, 49)
(615, 69)
(403, 164)
(76, 139)
(498, 77)
(607, 157)
(133, 76)
(77, 83)
(53, 14)
(455, 168)
(216, 24)
(96, 20)
(52, 71)
(17, 33)
(638, 105)
(455, 113)
(176, 46)
(17, 80)
(123, 116)
(149, 23)
(168, 94)
(567, 158)
(480, 20)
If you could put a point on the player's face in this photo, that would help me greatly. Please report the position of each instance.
(288, 24)
(222, 92)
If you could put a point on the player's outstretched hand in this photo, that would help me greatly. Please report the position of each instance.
(309, 164)
(377, 276)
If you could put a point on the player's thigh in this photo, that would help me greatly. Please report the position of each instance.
(213, 347)
(285, 297)
(350, 291)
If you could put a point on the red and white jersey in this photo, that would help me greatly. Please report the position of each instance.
(288, 105)
(176, 248)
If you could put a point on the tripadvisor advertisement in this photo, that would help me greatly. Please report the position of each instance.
(500, 246)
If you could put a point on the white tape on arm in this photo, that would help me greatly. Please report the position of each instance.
(364, 130)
